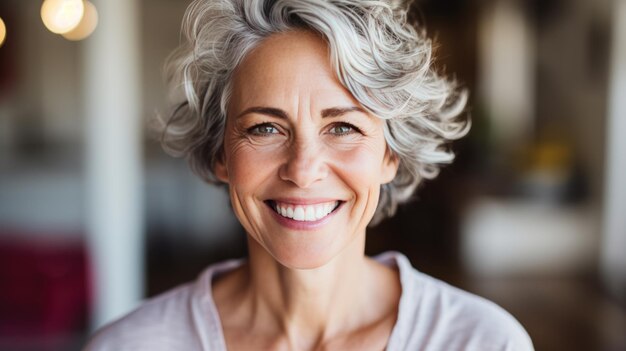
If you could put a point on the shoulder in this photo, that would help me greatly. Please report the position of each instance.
(475, 321)
(157, 324)
(184, 318)
(448, 318)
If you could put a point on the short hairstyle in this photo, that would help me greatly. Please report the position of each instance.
(378, 55)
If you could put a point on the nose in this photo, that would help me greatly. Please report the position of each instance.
(306, 164)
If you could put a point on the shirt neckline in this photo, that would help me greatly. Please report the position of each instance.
(217, 342)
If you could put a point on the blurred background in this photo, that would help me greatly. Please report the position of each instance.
(94, 216)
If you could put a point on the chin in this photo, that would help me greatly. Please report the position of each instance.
(303, 256)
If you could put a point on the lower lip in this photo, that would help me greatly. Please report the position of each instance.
(303, 225)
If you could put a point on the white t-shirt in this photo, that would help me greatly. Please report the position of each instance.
(432, 316)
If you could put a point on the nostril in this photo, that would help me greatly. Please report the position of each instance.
(303, 173)
(305, 166)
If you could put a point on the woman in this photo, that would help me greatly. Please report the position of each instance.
(320, 116)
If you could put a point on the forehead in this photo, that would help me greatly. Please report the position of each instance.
(286, 67)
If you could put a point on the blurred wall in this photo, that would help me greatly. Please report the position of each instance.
(41, 143)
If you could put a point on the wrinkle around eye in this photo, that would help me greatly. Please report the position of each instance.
(242, 139)
(354, 140)
(349, 142)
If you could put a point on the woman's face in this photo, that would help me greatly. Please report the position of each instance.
(304, 162)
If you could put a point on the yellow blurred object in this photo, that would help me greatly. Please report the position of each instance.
(552, 155)
(61, 16)
(3, 32)
(87, 24)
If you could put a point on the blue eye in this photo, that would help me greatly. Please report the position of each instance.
(342, 129)
(263, 129)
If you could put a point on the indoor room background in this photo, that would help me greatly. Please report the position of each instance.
(95, 216)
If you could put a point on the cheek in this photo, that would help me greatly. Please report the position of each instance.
(249, 165)
(360, 171)
(360, 166)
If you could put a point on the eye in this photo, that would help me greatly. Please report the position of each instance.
(263, 129)
(342, 129)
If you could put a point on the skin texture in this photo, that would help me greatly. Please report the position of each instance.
(294, 132)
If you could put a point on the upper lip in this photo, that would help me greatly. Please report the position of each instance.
(303, 201)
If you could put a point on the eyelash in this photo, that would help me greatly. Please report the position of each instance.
(254, 129)
(344, 124)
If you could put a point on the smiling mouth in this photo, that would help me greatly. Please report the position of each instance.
(304, 213)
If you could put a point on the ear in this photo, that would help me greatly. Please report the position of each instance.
(220, 170)
(390, 165)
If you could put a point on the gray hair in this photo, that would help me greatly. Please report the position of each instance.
(377, 54)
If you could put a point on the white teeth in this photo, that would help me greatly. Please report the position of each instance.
(319, 211)
(305, 213)
(309, 213)
(298, 213)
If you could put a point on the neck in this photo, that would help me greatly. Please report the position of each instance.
(308, 306)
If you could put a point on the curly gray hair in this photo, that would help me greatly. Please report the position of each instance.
(377, 54)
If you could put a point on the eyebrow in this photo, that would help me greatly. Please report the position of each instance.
(276, 112)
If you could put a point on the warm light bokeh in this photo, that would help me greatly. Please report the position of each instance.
(87, 25)
(3, 32)
(62, 16)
